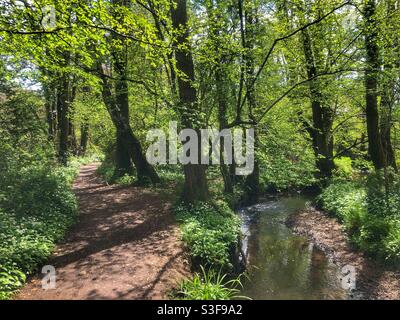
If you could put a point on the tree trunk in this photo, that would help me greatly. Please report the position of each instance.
(50, 106)
(386, 126)
(375, 149)
(72, 141)
(253, 180)
(118, 108)
(84, 138)
(222, 88)
(322, 116)
(123, 164)
(63, 100)
(220, 78)
(195, 186)
(129, 142)
(388, 97)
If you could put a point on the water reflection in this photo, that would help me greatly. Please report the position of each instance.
(281, 264)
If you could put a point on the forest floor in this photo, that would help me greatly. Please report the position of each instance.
(125, 245)
(373, 280)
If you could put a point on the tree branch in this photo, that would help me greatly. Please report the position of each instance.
(276, 101)
(291, 34)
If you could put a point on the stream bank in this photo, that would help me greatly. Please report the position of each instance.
(375, 281)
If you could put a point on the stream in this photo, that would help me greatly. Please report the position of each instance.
(282, 265)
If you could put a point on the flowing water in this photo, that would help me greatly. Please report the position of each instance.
(282, 265)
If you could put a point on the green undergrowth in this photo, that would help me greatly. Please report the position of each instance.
(107, 171)
(211, 231)
(369, 208)
(167, 174)
(37, 206)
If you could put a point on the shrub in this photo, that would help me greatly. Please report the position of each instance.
(343, 198)
(383, 196)
(36, 210)
(344, 167)
(370, 214)
(38, 191)
(125, 180)
(36, 202)
(106, 171)
(392, 241)
(211, 233)
(170, 173)
(286, 158)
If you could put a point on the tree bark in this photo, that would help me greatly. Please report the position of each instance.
(84, 138)
(220, 78)
(123, 164)
(386, 124)
(222, 88)
(375, 148)
(72, 141)
(51, 112)
(125, 136)
(322, 115)
(252, 181)
(389, 79)
(63, 101)
(195, 187)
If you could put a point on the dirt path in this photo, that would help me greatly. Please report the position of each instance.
(125, 246)
(373, 280)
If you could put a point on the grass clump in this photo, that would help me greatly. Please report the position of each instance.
(209, 285)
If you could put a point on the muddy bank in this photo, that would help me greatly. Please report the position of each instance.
(373, 280)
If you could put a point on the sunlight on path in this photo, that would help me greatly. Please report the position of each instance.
(125, 246)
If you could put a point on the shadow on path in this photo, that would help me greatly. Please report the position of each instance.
(125, 245)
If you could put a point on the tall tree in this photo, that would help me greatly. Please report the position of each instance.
(322, 114)
(388, 79)
(375, 147)
(248, 34)
(195, 186)
(217, 30)
(116, 99)
(63, 109)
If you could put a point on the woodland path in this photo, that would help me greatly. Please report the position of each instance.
(125, 245)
